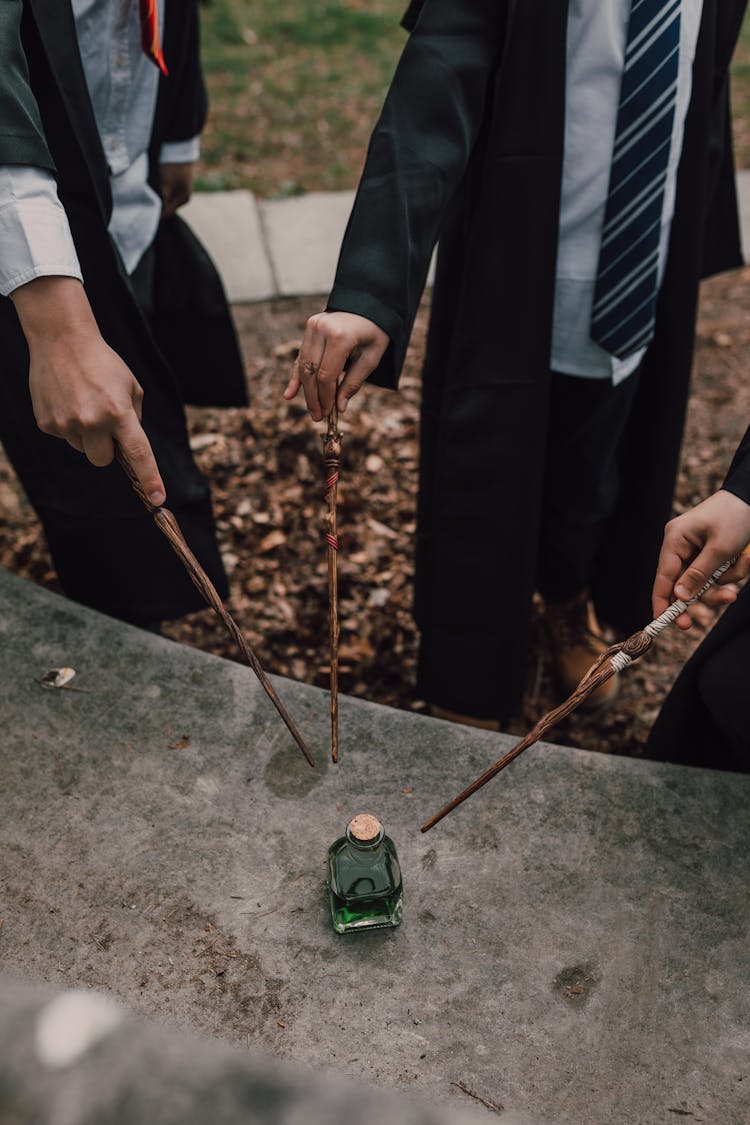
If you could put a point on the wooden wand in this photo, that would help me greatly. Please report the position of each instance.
(332, 459)
(167, 524)
(608, 664)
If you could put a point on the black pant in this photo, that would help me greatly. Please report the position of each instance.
(586, 420)
(723, 689)
(143, 280)
(582, 477)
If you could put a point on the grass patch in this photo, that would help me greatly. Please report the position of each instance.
(295, 87)
(741, 97)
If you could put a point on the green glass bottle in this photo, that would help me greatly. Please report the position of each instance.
(364, 878)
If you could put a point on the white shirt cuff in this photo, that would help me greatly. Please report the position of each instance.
(180, 152)
(35, 238)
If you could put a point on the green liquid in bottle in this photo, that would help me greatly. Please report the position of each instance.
(364, 878)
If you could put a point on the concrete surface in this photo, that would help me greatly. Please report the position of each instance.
(303, 236)
(228, 223)
(76, 1058)
(574, 946)
(289, 247)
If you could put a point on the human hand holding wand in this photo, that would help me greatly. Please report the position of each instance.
(608, 664)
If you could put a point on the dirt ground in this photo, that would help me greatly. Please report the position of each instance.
(267, 476)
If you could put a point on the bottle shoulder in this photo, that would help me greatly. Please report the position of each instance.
(354, 871)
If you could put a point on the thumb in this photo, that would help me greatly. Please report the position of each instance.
(698, 573)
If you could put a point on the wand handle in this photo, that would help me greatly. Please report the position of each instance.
(332, 459)
(672, 612)
(608, 664)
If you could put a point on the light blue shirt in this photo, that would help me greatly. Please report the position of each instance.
(597, 35)
(123, 84)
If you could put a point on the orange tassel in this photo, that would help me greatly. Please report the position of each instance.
(150, 33)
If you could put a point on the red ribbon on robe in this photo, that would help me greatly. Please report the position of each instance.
(150, 33)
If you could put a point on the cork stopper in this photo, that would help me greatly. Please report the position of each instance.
(365, 828)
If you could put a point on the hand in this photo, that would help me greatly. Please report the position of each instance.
(80, 389)
(176, 186)
(335, 344)
(695, 545)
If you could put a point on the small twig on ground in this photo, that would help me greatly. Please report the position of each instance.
(494, 1106)
(64, 782)
(259, 914)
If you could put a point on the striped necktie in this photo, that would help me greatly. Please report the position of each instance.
(150, 33)
(624, 308)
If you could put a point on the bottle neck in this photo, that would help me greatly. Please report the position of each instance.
(365, 846)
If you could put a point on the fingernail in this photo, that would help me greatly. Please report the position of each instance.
(682, 593)
(343, 404)
(156, 497)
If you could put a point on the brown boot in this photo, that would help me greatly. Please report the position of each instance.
(575, 640)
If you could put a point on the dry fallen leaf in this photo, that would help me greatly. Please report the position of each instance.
(57, 677)
(180, 743)
(378, 597)
(382, 529)
(202, 441)
(271, 541)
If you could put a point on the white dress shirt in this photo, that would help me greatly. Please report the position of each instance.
(123, 85)
(597, 36)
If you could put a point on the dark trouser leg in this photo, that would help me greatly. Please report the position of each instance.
(586, 422)
(476, 551)
(723, 688)
(142, 281)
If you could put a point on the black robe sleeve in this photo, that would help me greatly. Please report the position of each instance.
(417, 157)
(738, 477)
(22, 139)
(182, 103)
(411, 15)
(684, 730)
(721, 240)
(192, 323)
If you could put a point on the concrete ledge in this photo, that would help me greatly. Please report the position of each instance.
(574, 945)
(76, 1058)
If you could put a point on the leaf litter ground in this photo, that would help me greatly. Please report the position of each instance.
(266, 471)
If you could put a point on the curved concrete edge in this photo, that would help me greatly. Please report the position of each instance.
(289, 247)
(77, 1058)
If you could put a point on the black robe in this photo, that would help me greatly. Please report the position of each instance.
(469, 149)
(106, 550)
(685, 731)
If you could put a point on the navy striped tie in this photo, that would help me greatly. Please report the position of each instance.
(624, 308)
